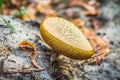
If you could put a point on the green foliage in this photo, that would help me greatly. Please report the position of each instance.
(4, 20)
(22, 11)
(71, 78)
(56, 68)
(1, 3)
(8, 23)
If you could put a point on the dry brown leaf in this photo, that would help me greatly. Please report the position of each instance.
(45, 2)
(33, 59)
(47, 10)
(89, 33)
(61, 6)
(18, 3)
(90, 10)
(95, 23)
(30, 14)
(92, 2)
(74, 3)
(100, 44)
(32, 53)
(78, 22)
(25, 43)
(6, 12)
(94, 11)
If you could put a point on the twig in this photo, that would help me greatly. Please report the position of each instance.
(22, 72)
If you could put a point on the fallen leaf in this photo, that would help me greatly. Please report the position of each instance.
(96, 24)
(6, 12)
(100, 44)
(90, 10)
(78, 22)
(47, 10)
(30, 14)
(92, 2)
(26, 43)
(3, 49)
(18, 3)
(75, 3)
(32, 53)
(94, 11)
(33, 59)
(44, 2)
(61, 6)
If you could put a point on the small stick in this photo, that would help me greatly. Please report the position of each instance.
(24, 71)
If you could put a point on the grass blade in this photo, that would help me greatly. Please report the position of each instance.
(8, 24)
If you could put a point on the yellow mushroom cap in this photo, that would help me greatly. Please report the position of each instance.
(65, 38)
